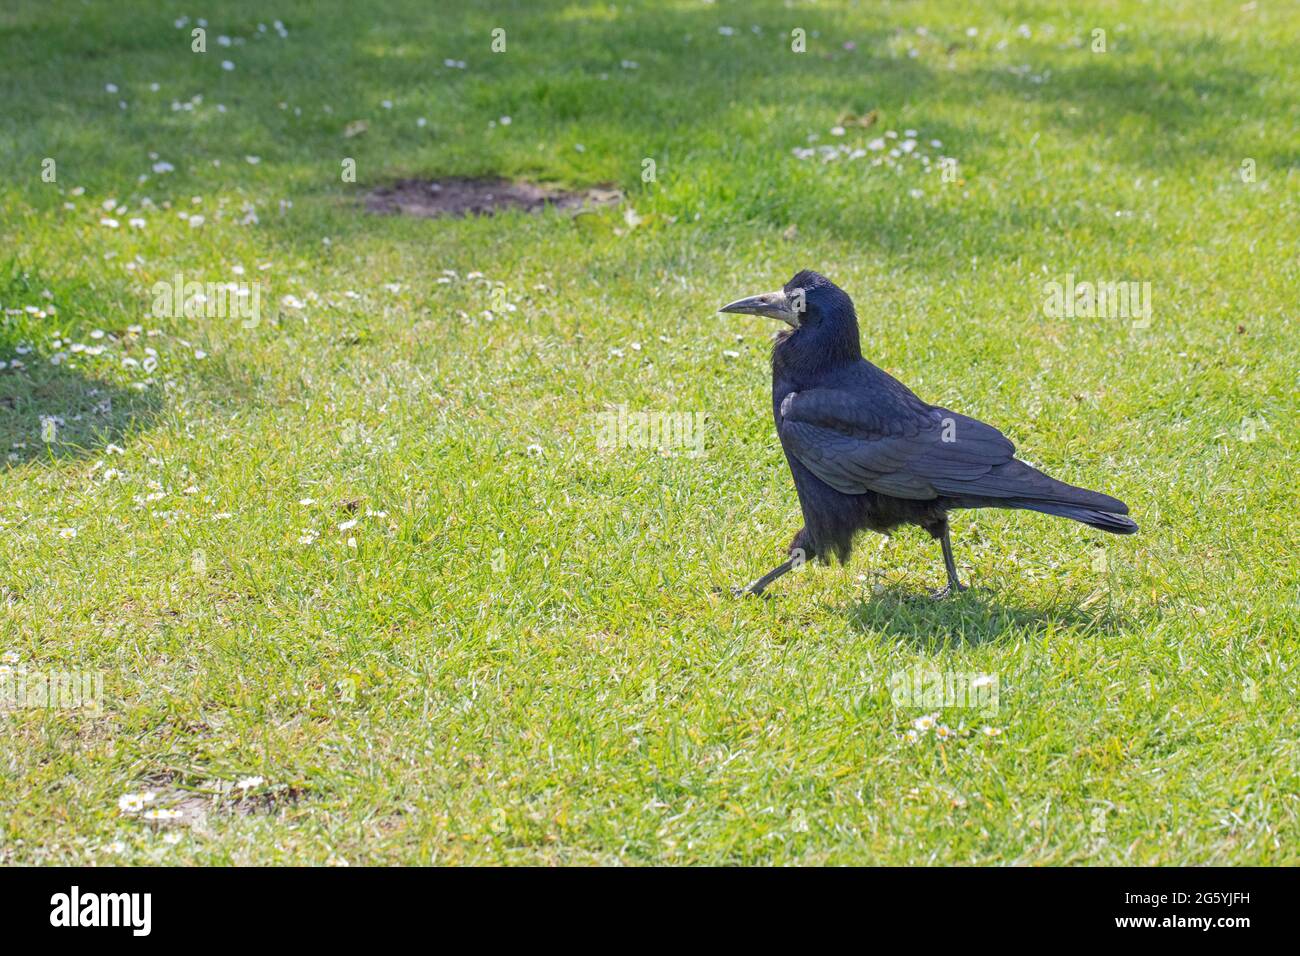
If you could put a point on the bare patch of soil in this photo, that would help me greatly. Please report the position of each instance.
(172, 803)
(458, 197)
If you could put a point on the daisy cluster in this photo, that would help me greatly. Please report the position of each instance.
(930, 725)
(890, 149)
(127, 346)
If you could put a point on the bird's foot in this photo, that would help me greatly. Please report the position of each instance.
(948, 590)
(749, 590)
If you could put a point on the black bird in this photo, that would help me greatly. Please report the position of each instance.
(866, 453)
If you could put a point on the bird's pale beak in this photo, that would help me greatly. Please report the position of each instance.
(774, 305)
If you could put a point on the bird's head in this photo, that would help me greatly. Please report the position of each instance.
(807, 300)
(813, 306)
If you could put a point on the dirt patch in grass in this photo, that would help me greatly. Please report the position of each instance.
(176, 803)
(459, 197)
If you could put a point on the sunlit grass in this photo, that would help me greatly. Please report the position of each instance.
(368, 550)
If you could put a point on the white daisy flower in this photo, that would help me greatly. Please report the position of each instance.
(925, 723)
(135, 802)
(162, 815)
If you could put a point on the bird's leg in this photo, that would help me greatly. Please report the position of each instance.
(758, 586)
(800, 551)
(954, 583)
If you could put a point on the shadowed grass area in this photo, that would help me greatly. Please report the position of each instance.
(51, 404)
(362, 584)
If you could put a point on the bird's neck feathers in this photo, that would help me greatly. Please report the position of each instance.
(809, 350)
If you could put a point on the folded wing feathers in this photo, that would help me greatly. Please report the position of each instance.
(910, 453)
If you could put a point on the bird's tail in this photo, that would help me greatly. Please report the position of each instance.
(1015, 484)
(1101, 520)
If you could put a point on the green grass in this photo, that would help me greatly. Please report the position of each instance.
(530, 655)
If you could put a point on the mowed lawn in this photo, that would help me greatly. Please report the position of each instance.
(360, 582)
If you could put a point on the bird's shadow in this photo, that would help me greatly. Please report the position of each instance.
(973, 617)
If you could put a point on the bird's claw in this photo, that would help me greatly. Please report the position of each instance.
(746, 591)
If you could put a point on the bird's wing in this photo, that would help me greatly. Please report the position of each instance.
(882, 443)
